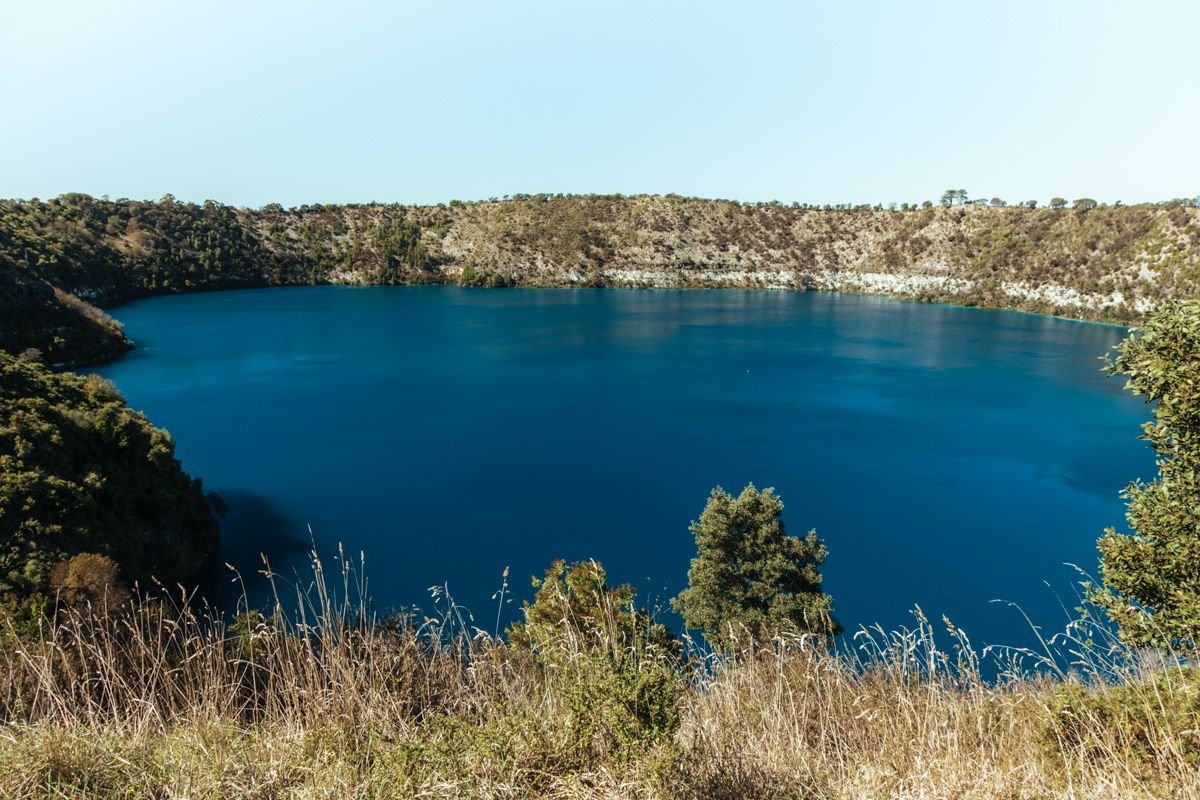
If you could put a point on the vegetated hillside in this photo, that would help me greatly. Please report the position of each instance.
(64, 328)
(1111, 263)
(82, 473)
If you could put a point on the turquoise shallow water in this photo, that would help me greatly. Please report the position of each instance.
(948, 456)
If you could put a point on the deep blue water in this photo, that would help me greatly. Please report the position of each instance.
(948, 456)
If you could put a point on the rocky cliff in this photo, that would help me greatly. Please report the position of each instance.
(1113, 263)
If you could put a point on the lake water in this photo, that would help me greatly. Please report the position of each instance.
(949, 457)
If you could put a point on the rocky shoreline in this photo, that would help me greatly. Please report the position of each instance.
(1113, 264)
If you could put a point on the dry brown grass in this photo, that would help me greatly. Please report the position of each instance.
(166, 700)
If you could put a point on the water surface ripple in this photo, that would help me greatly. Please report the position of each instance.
(948, 456)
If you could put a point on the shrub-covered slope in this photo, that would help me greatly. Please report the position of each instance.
(64, 328)
(81, 472)
(1113, 263)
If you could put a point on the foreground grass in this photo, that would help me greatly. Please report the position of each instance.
(163, 701)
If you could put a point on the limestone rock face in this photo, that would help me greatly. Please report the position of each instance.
(1110, 263)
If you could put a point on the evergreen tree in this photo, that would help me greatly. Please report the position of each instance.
(750, 581)
(1152, 577)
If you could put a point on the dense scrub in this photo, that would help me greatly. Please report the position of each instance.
(110, 251)
(1096, 262)
(82, 473)
(62, 327)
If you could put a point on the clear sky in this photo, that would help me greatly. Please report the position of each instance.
(257, 101)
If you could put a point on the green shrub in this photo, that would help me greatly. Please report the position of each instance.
(618, 709)
(1148, 721)
(88, 578)
(614, 670)
(575, 610)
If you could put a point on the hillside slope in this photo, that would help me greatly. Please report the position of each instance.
(1104, 263)
(80, 472)
(64, 328)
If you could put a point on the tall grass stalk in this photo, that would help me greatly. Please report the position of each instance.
(163, 696)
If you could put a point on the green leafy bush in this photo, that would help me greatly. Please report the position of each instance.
(1151, 577)
(614, 669)
(88, 579)
(1151, 721)
(618, 708)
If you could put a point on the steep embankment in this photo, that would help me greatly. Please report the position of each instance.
(80, 472)
(1103, 263)
(1114, 263)
(64, 328)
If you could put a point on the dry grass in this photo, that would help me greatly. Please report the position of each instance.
(166, 700)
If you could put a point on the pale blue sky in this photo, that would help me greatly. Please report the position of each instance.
(250, 102)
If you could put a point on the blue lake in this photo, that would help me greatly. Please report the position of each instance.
(949, 457)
